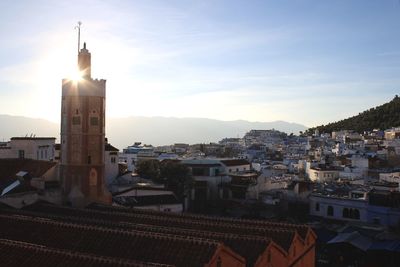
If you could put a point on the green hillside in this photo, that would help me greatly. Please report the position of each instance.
(381, 117)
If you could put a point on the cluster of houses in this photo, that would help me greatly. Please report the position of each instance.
(331, 173)
(29, 202)
(343, 177)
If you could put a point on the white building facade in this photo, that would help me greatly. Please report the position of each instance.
(347, 209)
(38, 148)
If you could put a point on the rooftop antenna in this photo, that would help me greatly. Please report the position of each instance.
(78, 27)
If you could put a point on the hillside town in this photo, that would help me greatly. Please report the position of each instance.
(345, 185)
(267, 198)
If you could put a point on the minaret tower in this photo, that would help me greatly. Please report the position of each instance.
(83, 135)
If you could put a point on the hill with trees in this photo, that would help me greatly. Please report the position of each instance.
(381, 117)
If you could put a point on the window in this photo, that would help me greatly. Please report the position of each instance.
(89, 159)
(356, 214)
(316, 206)
(330, 211)
(112, 159)
(219, 262)
(76, 120)
(345, 213)
(94, 121)
(21, 154)
(351, 213)
(45, 153)
(199, 171)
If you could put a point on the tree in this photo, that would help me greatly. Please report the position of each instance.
(149, 169)
(380, 117)
(177, 177)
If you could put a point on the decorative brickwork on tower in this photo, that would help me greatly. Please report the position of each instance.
(83, 136)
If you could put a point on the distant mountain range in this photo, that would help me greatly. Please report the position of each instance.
(381, 117)
(11, 126)
(122, 132)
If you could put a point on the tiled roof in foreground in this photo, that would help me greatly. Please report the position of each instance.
(155, 237)
(301, 229)
(280, 235)
(250, 247)
(16, 253)
(131, 245)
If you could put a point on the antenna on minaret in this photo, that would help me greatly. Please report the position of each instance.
(78, 27)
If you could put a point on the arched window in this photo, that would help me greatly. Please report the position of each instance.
(330, 211)
(93, 177)
(345, 213)
(351, 213)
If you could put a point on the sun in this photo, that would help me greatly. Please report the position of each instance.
(77, 76)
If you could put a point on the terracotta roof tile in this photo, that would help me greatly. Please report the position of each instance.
(17, 253)
(249, 247)
(300, 228)
(106, 229)
(282, 236)
(109, 147)
(133, 245)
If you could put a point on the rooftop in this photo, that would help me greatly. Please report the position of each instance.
(235, 162)
(33, 138)
(10, 167)
(102, 230)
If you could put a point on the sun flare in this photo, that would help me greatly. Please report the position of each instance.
(77, 76)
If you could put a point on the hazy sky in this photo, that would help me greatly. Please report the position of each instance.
(301, 61)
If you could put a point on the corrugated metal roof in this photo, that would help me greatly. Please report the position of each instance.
(354, 238)
(10, 187)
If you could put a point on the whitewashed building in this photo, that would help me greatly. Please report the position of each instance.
(351, 207)
(38, 148)
(151, 198)
(110, 163)
(323, 174)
